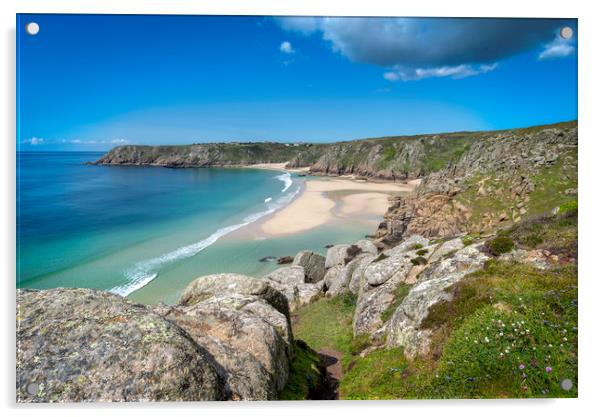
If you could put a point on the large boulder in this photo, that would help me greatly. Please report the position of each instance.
(207, 286)
(339, 277)
(313, 264)
(336, 255)
(411, 243)
(447, 248)
(360, 266)
(290, 281)
(247, 337)
(404, 328)
(381, 278)
(367, 246)
(78, 345)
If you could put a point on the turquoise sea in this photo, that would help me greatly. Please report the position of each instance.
(146, 232)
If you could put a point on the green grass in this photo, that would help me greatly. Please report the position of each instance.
(380, 375)
(306, 375)
(327, 323)
(558, 233)
(551, 183)
(499, 245)
(526, 315)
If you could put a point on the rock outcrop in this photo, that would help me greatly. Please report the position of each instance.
(78, 345)
(313, 264)
(497, 169)
(404, 327)
(294, 284)
(229, 337)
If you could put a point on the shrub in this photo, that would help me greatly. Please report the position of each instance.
(379, 258)
(500, 245)
(468, 240)
(422, 252)
(568, 206)
(419, 260)
(416, 246)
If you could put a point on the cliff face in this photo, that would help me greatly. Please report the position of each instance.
(392, 159)
(501, 178)
(204, 155)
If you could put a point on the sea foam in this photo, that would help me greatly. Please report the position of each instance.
(145, 271)
(286, 178)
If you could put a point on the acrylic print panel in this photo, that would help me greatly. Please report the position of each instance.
(295, 208)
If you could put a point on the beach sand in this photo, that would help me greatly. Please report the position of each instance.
(326, 199)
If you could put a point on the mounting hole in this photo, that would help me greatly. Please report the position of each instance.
(32, 388)
(566, 384)
(566, 33)
(32, 28)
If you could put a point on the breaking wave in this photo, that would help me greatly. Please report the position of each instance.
(145, 271)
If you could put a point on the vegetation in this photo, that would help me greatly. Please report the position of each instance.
(419, 260)
(327, 323)
(306, 375)
(508, 330)
(500, 245)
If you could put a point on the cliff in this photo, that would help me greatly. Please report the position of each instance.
(501, 178)
(205, 155)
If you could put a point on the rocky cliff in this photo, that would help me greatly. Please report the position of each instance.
(206, 155)
(499, 179)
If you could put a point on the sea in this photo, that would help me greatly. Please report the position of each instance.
(147, 232)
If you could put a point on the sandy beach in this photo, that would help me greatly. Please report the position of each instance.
(326, 199)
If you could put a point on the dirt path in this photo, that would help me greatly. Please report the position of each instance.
(334, 373)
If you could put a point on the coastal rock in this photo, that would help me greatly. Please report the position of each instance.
(379, 272)
(332, 275)
(339, 283)
(381, 278)
(500, 168)
(372, 302)
(446, 248)
(207, 286)
(358, 273)
(285, 260)
(248, 338)
(288, 275)
(336, 255)
(410, 243)
(290, 281)
(404, 327)
(313, 264)
(367, 246)
(78, 345)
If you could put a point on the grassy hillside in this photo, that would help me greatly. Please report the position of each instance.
(509, 330)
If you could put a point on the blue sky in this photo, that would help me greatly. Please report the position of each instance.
(91, 82)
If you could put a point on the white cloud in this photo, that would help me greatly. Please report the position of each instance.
(417, 48)
(455, 72)
(558, 48)
(287, 48)
(34, 141)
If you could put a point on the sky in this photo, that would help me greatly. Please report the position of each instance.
(92, 82)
